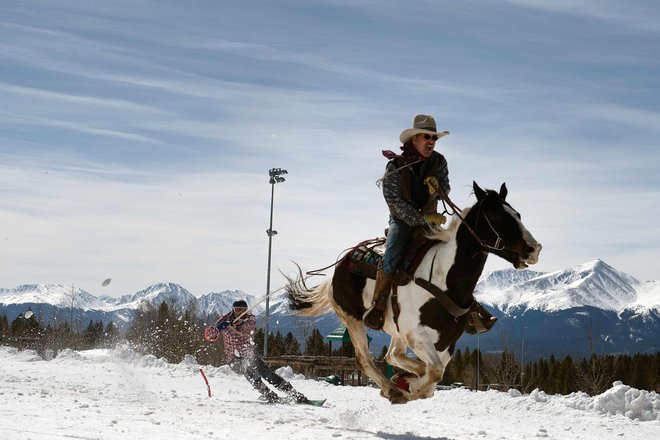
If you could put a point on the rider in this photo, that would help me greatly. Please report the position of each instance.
(412, 184)
(238, 327)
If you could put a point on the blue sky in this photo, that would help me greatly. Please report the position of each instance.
(136, 136)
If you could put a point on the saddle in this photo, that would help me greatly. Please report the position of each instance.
(365, 258)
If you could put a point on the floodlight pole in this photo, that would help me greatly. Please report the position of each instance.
(476, 387)
(522, 359)
(275, 177)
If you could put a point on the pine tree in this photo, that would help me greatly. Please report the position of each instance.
(26, 332)
(93, 335)
(110, 334)
(315, 345)
(259, 341)
(291, 345)
(542, 375)
(276, 344)
(527, 378)
(454, 369)
(563, 375)
(4, 327)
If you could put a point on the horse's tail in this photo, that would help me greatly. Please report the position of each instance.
(307, 301)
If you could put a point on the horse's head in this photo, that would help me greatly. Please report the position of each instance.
(500, 229)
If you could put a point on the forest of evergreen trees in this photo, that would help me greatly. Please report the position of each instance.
(554, 376)
(169, 332)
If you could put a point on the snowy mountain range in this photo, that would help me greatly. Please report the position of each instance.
(572, 310)
(592, 284)
(563, 312)
(55, 301)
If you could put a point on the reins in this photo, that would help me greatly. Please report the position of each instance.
(442, 296)
(498, 246)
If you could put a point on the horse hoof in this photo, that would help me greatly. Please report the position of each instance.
(398, 400)
(396, 396)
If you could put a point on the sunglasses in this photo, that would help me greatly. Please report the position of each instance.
(428, 136)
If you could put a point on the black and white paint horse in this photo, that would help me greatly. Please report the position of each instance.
(424, 325)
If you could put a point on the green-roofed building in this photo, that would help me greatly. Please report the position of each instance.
(341, 335)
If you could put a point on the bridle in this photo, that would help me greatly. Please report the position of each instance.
(498, 246)
(441, 295)
(499, 243)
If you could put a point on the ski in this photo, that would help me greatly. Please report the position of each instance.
(316, 402)
(290, 401)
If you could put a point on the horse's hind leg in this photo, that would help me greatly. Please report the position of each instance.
(365, 361)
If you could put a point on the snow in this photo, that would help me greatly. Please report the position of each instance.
(53, 294)
(648, 296)
(157, 293)
(117, 394)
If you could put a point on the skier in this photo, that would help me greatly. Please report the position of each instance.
(237, 328)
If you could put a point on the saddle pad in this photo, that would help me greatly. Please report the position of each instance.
(365, 258)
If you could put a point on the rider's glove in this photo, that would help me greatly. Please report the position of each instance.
(434, 219)
(432, 184)
(222, 325)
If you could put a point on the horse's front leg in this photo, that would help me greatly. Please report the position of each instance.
(365, 361)
(396, 356)
(423, 386)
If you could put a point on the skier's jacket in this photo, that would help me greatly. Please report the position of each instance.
(238, 337)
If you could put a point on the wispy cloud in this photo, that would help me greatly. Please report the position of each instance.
(59, 98)
(635, 15)
(138, 134)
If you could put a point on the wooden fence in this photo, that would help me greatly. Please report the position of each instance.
(316, 367)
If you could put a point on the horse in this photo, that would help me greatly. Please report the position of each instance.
(430, 319)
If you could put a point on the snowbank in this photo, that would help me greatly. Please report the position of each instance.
(620, 400)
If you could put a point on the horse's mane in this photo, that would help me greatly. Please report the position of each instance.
(445, 234)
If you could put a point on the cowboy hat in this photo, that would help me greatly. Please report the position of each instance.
(421, 124)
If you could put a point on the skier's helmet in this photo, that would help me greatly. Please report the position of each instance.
(240, 303)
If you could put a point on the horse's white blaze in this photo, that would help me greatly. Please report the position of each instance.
(527, 236)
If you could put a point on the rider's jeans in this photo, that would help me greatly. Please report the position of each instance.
(398, 237)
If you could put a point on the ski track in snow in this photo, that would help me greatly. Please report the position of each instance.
(117, 394)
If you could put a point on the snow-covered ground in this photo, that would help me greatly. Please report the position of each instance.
(117, 394)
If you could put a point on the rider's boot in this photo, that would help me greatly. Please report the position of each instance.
(487, 318)
(374, 317)
(479, 320)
